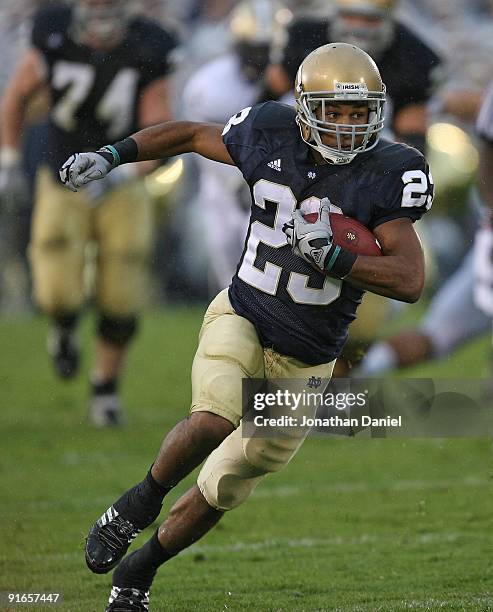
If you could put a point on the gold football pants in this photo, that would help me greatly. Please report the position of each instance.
(64, 223)
(229, 350)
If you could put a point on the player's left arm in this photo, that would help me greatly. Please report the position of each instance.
(401, 197)
(400, 273)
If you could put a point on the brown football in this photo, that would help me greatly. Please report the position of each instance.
(350, 234)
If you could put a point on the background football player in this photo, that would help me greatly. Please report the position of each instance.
(287, 311)
(214, 93)
(107, 73)
(452, 318)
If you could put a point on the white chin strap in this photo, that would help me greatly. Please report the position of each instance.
(330, 156)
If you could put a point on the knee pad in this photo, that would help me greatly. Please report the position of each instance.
(117, 331)
(270, 455)
(236, 467)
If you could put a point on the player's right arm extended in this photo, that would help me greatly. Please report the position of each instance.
(176, 137)
(156, 142)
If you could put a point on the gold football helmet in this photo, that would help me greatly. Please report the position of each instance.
(259, 21)
(367, 24)
(257, 26)
(339, 73)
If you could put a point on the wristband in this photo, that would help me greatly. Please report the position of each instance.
(339, 262)
(122, 152)
(125, 151)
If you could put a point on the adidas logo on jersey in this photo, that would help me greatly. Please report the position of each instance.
(275, 165)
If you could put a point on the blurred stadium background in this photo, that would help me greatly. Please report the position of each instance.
(352, 524)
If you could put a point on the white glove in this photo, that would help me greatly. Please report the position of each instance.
(82, 168)
(311, 241)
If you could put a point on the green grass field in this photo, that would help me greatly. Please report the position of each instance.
(359, 524)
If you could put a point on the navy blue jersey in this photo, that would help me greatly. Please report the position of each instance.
(296, 310)
(407, 66)
(95, 94)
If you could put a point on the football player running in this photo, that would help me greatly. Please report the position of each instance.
(106, 70)
(287, 311)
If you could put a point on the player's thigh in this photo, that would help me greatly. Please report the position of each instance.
(124, 233)
(60, 232)
(125, 221)
(305, 385)
(248, 454)
(228, 351)
(282, 367)
(61, 219)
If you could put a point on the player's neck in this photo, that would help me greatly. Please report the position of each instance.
(317, 157)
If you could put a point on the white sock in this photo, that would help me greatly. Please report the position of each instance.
(379, 359)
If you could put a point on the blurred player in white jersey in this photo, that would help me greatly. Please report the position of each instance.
(484, 238)
(213, 94)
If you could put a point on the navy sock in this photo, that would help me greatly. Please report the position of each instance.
(155, 485)
(105, 387)
(66, 322)
(142, 504)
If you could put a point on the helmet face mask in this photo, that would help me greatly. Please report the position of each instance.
(339, 75)
(100, 23)
(254, 59)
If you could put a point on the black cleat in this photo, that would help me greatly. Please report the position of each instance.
(108, 541)
(64, 352)
(128, 600)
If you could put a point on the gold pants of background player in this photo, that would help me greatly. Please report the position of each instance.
(64, 223)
